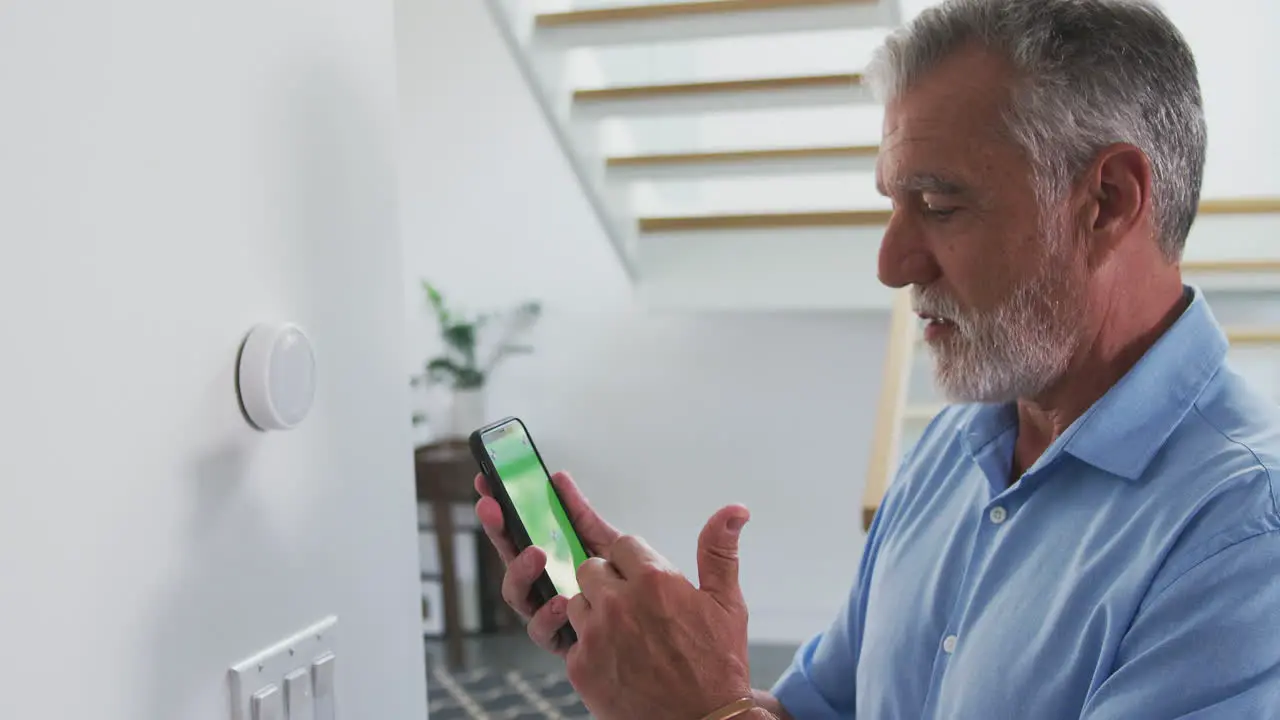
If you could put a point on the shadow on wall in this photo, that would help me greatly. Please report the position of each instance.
(340, 215)
(222, 520)
(328, 186)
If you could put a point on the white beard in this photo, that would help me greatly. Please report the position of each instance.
(1016, 350)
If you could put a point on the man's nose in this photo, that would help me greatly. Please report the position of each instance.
(905, 257)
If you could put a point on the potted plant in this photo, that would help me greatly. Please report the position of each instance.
(466, 363)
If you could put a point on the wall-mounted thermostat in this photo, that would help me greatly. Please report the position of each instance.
(277, 376)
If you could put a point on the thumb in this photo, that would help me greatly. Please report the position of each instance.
(718, 555)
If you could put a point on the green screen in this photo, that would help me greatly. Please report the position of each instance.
(535, 500)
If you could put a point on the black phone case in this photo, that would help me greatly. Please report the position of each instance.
(543, 589)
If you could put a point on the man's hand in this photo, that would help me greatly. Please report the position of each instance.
(650, 644)
(524, 568)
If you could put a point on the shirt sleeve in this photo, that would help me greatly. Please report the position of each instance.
(1207, 646)
(820, 684)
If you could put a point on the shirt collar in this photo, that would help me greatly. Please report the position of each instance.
(1125, 429)
(1122, 432)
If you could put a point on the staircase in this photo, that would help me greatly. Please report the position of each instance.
(704, 132)
(727, 148)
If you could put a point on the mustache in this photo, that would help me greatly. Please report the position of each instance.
(934, 303)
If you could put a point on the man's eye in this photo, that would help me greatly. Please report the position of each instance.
(940, 213)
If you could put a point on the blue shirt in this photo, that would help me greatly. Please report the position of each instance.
(1132, 573)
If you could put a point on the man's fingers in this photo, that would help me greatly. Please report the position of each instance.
(718, 555)
(517, 584)
(631, 554)
(594, 575)
(545, 623)
(594, 532)
(490, 514)
(482, 485)
(579, 606)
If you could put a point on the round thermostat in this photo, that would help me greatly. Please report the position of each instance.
(277, 376)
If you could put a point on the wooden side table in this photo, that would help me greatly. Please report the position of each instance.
(445, 476)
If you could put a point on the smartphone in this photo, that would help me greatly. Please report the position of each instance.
(532, 510)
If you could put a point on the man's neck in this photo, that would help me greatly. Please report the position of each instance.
(1124, 333)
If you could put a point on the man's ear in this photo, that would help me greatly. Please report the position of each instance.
(1117, 200)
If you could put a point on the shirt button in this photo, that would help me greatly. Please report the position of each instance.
(949, 644)
(998, 515)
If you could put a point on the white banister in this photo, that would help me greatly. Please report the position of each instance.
(513, 21)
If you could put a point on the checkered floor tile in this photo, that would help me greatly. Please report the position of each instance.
(495, 695)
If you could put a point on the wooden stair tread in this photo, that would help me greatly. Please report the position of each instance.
(1249, 335)
(854, 218)
(665, 11)
(1241, 206)
(1232, 266)
(838, 218)
(801, 153)
(638, 92)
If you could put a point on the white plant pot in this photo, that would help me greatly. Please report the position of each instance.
(468, 412)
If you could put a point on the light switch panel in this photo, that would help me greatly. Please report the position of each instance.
(277, 665)
(267, 704)
(323, 686)
(297, 695)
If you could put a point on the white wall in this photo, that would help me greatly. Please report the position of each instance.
(171, 173)
(1239, 67)
(663, 418)
(666, 418)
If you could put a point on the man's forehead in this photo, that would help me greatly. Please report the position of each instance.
(922, 159)
(943, 116)
(965, 94)
(925, 141)
(933, 183)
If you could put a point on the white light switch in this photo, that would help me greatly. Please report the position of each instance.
(297, 695)
(322, 683)
(287, 667)
(268, 704)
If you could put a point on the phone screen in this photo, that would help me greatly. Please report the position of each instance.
(527, 484)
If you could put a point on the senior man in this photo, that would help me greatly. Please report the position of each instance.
(1092, 532)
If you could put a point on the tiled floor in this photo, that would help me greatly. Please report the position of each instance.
(517, 652)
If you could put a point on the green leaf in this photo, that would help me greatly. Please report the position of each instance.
(459, 365)
(433, 295)
(462, 337)
(437, 303)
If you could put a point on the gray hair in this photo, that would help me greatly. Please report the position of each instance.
(1090, 73)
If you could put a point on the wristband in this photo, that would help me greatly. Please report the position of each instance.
(733, 709)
